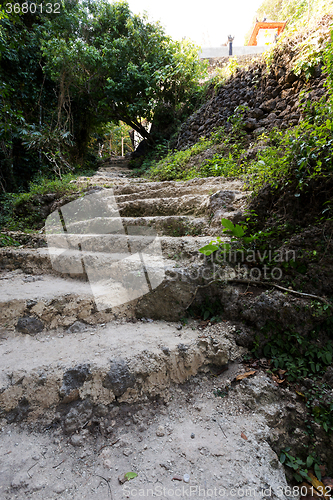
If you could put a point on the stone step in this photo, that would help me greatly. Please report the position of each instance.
(173, 190)
(174, 225)
(138, 285)
(207, 185)
(47, 372)
(187, 246)
(37, 261)
(197, 205)
(108, 204)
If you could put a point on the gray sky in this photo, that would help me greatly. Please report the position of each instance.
(207, 22)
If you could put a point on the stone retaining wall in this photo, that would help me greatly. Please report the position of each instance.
(272, 95)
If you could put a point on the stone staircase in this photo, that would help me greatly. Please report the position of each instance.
(69, 311)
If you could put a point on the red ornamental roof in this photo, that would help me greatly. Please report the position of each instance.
(265, 26)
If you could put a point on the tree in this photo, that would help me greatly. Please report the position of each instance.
(115, 65)
(25, 95)
(63, 76)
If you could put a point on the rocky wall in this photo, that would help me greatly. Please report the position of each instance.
(271, 93)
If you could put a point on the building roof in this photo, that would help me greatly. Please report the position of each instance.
(265, 26)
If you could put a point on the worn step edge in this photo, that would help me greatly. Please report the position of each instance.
(41, 378)
(37, 260)
(65, 304)
(184, 205)
(162, 224)
(213, 182)
(173, 192)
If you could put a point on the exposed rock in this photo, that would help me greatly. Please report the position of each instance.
(76, 327)
(119, 378)
(77, 417)
(74, 378)
(77, 440)
(29, 325)
(160, 432)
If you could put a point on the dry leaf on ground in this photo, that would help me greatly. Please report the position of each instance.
(320, 487)
(245, 375)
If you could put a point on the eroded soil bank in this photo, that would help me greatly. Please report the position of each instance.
(192, 439)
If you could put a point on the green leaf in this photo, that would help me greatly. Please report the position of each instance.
(130, 475)
(208, 249)
(227, 224)
(206, 314)
(282, 458)
(225, 247)
(238, 231)
(309, 461)
(317, 471)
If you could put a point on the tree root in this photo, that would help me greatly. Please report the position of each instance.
(260, 283)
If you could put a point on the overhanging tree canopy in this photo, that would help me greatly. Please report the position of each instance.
(118, 65)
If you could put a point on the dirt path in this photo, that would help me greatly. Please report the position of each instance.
(87, 395)
(220, 443)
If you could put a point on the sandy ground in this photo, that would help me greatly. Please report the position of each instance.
(197, 444)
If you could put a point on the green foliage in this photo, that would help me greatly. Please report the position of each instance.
(20, 211)
(300, 467)
(233, 65)
(183, 164)
(296, 13)
(328, 60)
(110, 137)
(50, 143)
(208, 309)
(297, 155)
(218, 166)
(64, 76)
(238, 235)
(300, 16)
(300, 355)
(23, 95)
(43, 185)
(121, 64)
(310, 55)
(7, 241)
(319, 403)
(130, 475)
(176, 165)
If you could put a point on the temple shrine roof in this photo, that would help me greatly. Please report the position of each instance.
(264, 25)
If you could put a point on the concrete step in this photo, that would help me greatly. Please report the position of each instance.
(47, 372)
(187, 431)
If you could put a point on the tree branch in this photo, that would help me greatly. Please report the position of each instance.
(260, 283)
